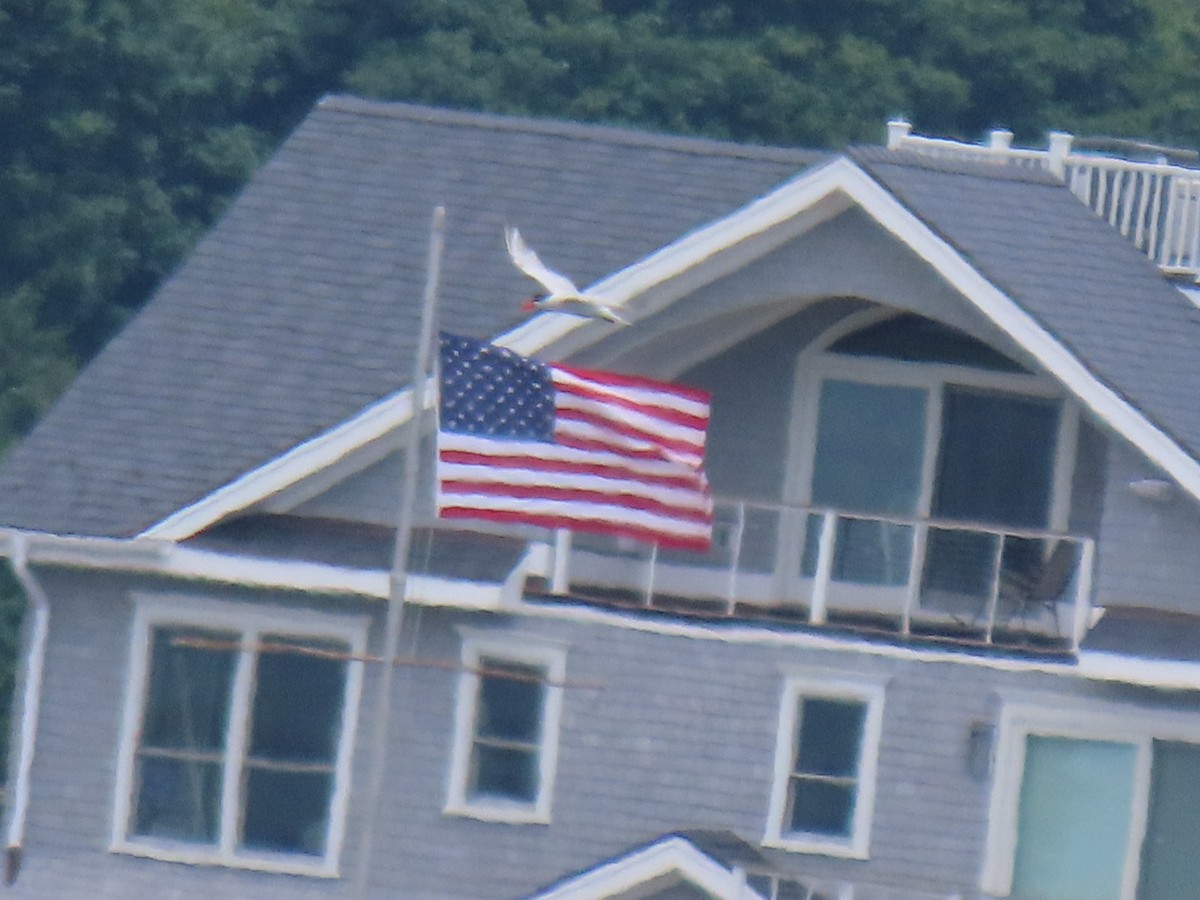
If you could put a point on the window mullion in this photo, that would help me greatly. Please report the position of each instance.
(1139, 816)
(933, 431)
(232, 775)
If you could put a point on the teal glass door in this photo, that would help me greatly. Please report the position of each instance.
(1074, 818)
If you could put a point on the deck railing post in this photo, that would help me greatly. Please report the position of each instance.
(1060, 147)
(1083, 592)
(735, 555)
(916, 569)
(994, 596)
(825, 548)
(897, 131)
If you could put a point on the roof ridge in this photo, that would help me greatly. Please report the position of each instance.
(613, 134)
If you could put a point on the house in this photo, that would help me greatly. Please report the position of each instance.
(944, 641)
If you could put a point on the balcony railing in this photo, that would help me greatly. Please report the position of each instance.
(775, 887)
(938, 578)
(1154, 204)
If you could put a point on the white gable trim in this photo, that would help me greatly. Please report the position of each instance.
(668, 856)
(840, 183)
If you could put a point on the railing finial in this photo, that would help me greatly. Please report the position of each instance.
(1000, 139)
(897, 131)
(1059, 147)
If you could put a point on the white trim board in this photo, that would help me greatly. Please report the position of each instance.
(673, 855)
(833, 183)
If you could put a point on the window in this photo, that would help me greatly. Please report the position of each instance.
(905, 420)
(506, 729)
(237, 735)
(825, 757)
(1101, 807)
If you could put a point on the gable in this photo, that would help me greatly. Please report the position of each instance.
(295, 372)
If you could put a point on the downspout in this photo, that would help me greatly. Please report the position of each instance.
(31, 699)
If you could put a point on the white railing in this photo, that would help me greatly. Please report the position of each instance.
(938, 578)
(776, 887)
(1154, 204)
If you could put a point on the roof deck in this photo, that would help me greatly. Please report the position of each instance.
(1153, 201)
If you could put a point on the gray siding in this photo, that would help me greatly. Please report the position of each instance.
(679, 733)
(1149, 551)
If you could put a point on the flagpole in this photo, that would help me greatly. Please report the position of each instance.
(397, 581)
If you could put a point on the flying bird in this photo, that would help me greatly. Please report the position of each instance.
(561, 293)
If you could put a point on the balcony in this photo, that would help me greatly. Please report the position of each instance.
(1155, 204)
(940, 580)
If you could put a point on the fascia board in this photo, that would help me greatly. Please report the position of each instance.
(163, 558)
(1164, 674)
(838, 181)
(673, 854)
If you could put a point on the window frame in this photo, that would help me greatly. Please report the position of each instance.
(519, 650)
(818, 364)
(153, 611)
(1048, 718)
(856, 845)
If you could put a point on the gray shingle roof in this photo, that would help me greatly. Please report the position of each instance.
(300, 307)
(1087, 285)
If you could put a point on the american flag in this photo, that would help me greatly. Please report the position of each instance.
(561, 447)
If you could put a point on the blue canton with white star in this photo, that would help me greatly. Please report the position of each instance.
(488, 390)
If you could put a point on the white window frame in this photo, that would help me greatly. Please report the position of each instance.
(1133, 726)
(518, 650)
(857, 844)
(819, 364)
(251, 621)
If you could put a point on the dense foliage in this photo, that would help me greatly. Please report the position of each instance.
(126, 125)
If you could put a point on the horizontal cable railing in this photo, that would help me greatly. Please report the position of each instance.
(1156, 205)
(931, 576)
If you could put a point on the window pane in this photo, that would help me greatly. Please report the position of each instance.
(297, 704)
(286, 811)
(996, 462)
(870, 444)
(1073, 820)
(830, 734)
(821, 807)
(1170, 864)
(505, 772)
(508, 708)
(178, 799)
(187, 702)
(917, 339)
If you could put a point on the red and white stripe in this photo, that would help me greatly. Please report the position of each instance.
(626, 460)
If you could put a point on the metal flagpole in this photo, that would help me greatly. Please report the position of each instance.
(398, 579)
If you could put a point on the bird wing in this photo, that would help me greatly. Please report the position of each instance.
(527, 261)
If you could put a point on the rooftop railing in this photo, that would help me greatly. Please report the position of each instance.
(1154, 203)
(774, 887)
(961, 581)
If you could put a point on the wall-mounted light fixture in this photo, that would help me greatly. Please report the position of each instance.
(981, 737)
(1157, 490)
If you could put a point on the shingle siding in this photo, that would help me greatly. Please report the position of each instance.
(1148, 548)
(660, 732)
